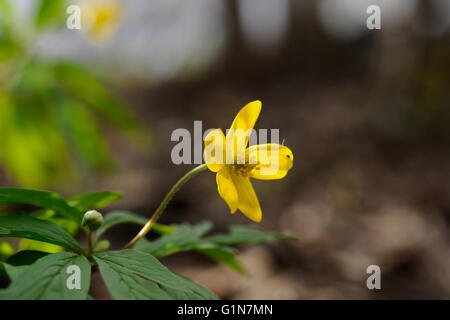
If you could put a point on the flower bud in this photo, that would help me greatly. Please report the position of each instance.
(92, 220)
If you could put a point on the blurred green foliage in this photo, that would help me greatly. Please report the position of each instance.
(51, 110)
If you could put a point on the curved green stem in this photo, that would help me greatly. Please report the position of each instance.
(163, 204)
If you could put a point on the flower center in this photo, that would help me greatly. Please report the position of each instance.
(242, 170)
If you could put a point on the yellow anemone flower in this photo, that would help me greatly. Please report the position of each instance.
(235, 163)
(100, 18)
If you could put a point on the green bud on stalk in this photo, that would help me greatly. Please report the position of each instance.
(92, 219)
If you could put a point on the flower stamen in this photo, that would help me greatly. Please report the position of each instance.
(243, 170)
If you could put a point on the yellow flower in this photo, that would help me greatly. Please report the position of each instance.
(100, 18)
(235, 164)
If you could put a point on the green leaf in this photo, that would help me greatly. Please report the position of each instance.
(47, 279)
(34, 245)
(222, 254)
(147, 266)
(50, 12)
(182, 239)
(102, 245)
(117, 217)
(23, 226)
(214, 251)
(190, 238)
(219, 253)
(163, 229)
(13, 272)
(94, 200)
(25, 257)
(49, 215)
(247, 235)
(198, 292)
(125, 285)
(6, 249)
(2, 270)
(44, 199)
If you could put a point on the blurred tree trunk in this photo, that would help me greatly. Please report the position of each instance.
(239, 61)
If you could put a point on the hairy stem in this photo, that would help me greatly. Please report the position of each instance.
(90, 247)
(145, 229)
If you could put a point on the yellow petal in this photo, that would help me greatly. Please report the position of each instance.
(247, 116)
(226, 188)
(273, 161)
(238, 135)
(248, 201)
(214, 152)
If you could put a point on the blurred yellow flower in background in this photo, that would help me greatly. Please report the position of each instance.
(100, 19)
(265, 162)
